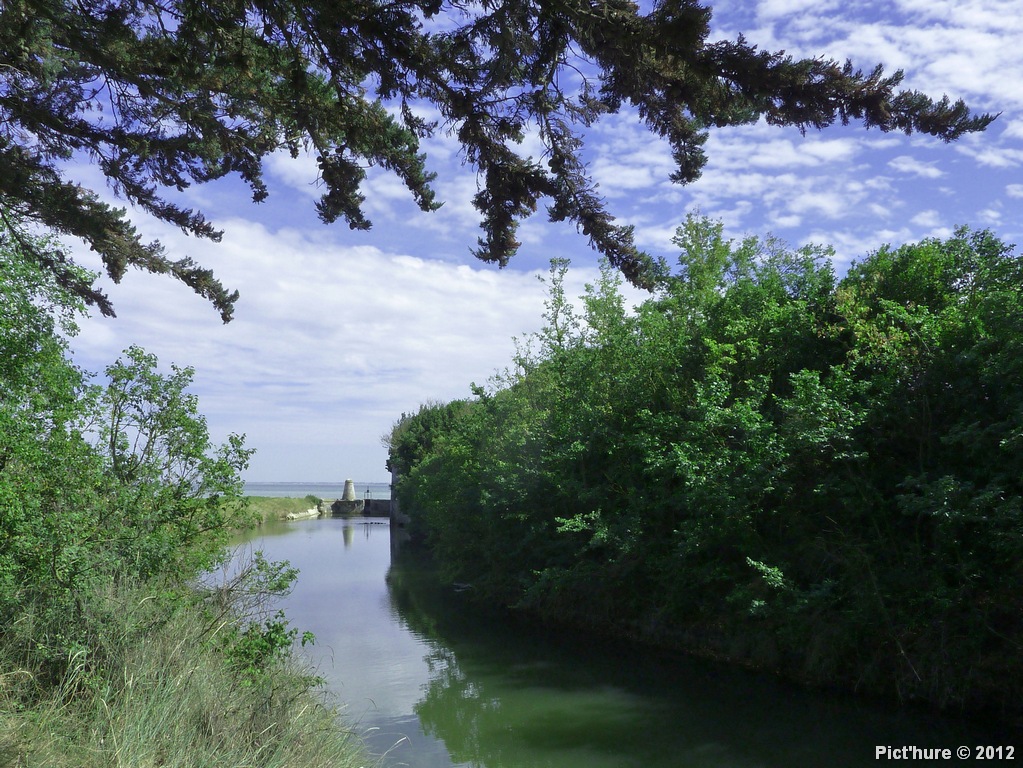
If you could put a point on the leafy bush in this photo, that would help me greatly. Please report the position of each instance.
(258, 647)
(762, 462)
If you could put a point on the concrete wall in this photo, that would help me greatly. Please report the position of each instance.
(377, 507)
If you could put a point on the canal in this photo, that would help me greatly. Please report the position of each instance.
(431, 683)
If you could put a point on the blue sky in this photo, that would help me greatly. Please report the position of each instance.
(338, 332)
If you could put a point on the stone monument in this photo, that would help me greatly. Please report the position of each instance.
(348, 504)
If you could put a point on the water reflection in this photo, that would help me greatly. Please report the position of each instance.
(435, 683)
(508, 695)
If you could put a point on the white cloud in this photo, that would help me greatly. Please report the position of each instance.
(995, 15)
(991, 216)
(963, 49)
(338, 332)
(829, 204)
(1011, 129)
(926, 219)
(297, 173)
(911, 165)
(620, 178)
(992, 156)
(785, 222)
(329, 343)
(774, 9)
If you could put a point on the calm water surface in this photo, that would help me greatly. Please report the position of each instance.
(324, 490)
(433, 684)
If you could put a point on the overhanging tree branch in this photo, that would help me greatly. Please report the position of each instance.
(161, 95)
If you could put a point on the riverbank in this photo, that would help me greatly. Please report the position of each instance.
(264, 509)
(760, 463)
(160, 684)
(165, 674)
(272, 508)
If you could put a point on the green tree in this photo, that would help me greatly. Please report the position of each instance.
(44, 400)
(938, 335)
(98, 483)
(764, 463)
(411, 437)
(173, 496)
(161, 95)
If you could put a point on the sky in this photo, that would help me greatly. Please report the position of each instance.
(338, 332)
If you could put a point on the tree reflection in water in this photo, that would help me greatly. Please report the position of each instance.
(506, 695)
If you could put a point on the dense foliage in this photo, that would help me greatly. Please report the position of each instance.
(114, 646)
(761, 462)
(98, 483)
(161, 95)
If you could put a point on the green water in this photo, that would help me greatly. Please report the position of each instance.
(432, 683)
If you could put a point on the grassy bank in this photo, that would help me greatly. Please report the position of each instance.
(266, 508)
(158, 685)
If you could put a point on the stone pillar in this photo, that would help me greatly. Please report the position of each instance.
(348, 504)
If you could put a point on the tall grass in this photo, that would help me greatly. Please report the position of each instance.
(153, 688)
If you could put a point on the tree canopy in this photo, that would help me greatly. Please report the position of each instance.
(161, 94)
(762, 463)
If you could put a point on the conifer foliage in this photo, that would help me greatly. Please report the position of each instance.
(161, 94)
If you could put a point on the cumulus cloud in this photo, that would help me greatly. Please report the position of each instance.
(774, 9)
(338, 332)
(992, 216)
(926, 219)
(329, 342)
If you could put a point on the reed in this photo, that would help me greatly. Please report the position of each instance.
(155, 688)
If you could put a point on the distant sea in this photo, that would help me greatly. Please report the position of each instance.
(322, 490)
